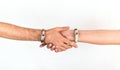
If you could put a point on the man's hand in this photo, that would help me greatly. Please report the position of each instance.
(56, 41)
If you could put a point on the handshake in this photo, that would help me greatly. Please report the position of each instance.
(59, 39)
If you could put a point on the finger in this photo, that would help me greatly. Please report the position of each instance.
(58, 50)
(70, 43)
(62, 48)
(66, 46)
(74, 44)
(42, 45)
(67, 42)
(62, 28)
(53, 48)
(49, 45)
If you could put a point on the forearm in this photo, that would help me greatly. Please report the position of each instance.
(100, 36)
(11, 31)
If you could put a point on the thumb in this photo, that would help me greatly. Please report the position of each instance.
(63, 28)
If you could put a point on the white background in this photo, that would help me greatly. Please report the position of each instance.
(83, 14)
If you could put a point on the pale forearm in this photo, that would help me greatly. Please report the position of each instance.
(100, 36)
(11, 31)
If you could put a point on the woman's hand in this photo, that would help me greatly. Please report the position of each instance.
(56, 41)
(69, 34)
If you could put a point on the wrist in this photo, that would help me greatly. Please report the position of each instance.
(84, 35)
(76, 34)
(47, 33)
(42, 39)
(39, 35)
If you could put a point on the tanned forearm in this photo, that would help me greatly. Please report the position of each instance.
(100, 36)
(11, 31)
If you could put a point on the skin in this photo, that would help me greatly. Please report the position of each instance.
(53, 35)
(99, 37)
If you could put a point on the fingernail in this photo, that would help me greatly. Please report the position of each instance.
(40, 46)
(57, 51)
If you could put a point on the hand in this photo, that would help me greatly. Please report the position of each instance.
(69, 34)
(59, 42)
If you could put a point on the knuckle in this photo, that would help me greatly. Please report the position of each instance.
(64, 49)
(72, 43)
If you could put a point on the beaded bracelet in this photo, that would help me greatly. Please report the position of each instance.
(42, 36)
(75, 35)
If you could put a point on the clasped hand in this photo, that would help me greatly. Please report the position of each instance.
(59, 39)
